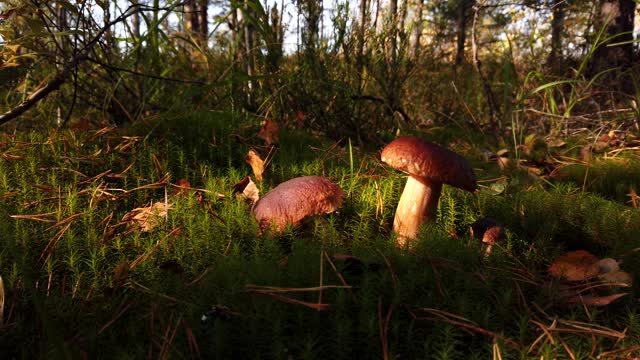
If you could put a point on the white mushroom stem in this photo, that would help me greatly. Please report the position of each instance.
(418, 203)
(487, 250)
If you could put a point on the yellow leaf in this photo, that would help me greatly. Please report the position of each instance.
(257, 164)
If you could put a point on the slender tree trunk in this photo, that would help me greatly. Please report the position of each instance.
(203, 21)
(492, 104)
(274, 42)
(417, 30)
(190, 17)
(461, 28)
(63, 25)
(135, 23)
(249, 54)
(558, 9)
(393, 30)
(376, 23)
(362, 33)
(616, 17)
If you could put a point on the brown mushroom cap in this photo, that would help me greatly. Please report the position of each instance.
(430, 161)
(294, 200)
(488, 230)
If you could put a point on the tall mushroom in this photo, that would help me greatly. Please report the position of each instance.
(429, 166)
(295, 200)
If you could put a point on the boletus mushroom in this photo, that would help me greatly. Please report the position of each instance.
(295, 200)
(489, 231)
(429, 166)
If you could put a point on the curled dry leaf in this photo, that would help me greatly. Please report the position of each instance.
(555, 142)
(147, 218)
(575, 266)
(608, 265)
(257, 164)
(610, 272)
(620, 277)
(247, 189)
(269, 132)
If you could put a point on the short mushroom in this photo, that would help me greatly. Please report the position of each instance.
(295, 200)
(489, 231)
(429, 166)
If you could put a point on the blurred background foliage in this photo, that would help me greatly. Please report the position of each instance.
(349, 69)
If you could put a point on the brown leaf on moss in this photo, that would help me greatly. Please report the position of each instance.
(257, 164)
(147, 218)
(575, 266)
(269, 132)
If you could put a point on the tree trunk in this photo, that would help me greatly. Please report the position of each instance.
(558, 9)
(135, 23)
(616, 17)
(203, 21)
(362, 31)
(393, 30)
(417, 30)
(274, 42)
(190, 17)
(461, 28)
(311, 11)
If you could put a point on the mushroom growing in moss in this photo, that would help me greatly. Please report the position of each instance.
(429, 166)
(489, 231)
(295, 200)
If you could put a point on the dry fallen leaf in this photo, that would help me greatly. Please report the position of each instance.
(620, 277)
(257, 164)
(247, 189)
(610, 272)
(608, 265)
(147, 218)
(575, 266)
(554, 142)
(269, 132)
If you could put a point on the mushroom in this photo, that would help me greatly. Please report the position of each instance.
(489, 231)
(429, 166)
(295, 200)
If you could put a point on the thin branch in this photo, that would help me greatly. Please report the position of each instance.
(62, 76)
(141, 74)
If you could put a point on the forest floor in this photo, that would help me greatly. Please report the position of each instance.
(135, 245)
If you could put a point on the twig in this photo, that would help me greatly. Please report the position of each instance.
(62, 76)
(465, 324)
(285, 299)
(116, 317)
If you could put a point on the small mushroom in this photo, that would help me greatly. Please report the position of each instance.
(489, 231)
(295, 200)
(429, 166)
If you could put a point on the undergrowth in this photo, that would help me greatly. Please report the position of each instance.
(80, 283)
